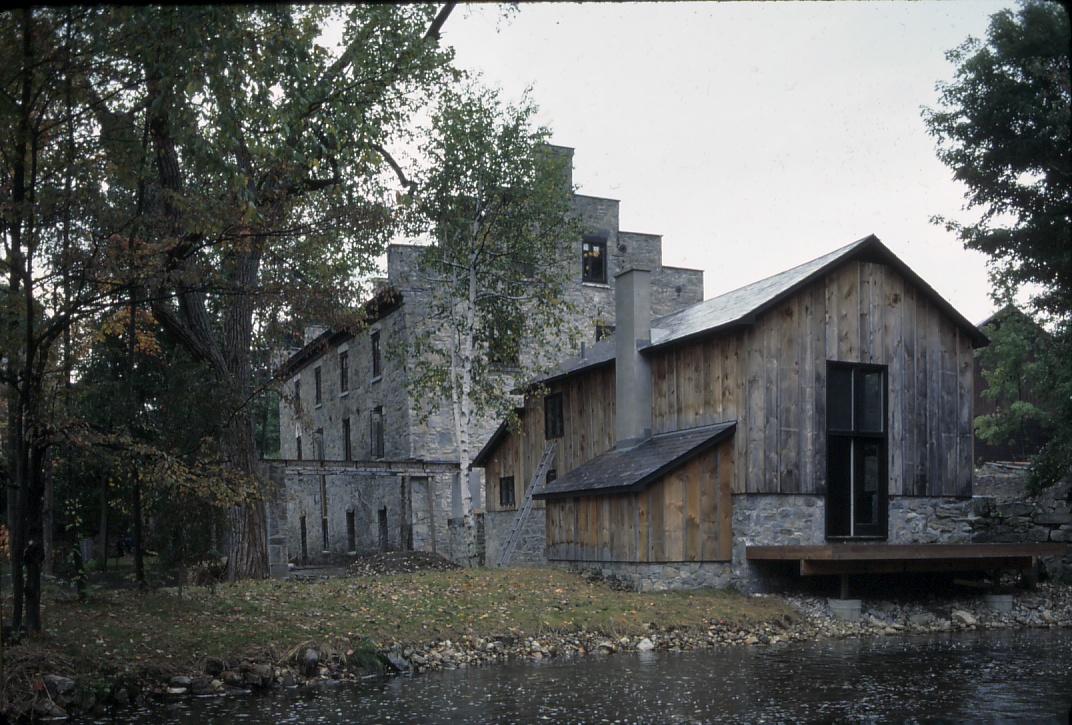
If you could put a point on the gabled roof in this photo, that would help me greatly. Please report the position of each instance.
(741, 306)
(632, 469)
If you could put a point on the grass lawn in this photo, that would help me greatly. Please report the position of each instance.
(117, 631)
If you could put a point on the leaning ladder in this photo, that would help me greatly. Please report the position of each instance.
(526, 505)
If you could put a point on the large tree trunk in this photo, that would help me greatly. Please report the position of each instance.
(33, 549)
(248, 549)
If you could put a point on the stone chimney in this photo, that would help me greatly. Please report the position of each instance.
(632, 374)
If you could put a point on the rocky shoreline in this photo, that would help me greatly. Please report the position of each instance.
(313, 667)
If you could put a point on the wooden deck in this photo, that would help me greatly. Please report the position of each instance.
(856, 558)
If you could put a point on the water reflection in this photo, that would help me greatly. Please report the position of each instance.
(989, 676)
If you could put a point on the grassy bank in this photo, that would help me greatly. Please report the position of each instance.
(123, 633)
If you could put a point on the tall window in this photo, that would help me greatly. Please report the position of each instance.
(317, 386)
(324, 511)
(506, 492)
(319, 444)
(297, 395)
(297, 440)
(856, 451)
(344, 371)
(376, 429)
(347, 451)
(594, 259)
(374, 340)
(552, 416)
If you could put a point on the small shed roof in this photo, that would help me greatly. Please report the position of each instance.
(632, 469)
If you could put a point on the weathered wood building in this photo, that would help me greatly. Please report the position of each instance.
(829, 403)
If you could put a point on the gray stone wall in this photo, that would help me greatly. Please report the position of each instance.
(365, 393)
(366, 496)
(532, 541)
(675, 288)
(930, 520)
(1006, 512)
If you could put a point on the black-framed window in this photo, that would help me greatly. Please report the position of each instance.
(594, 259)
(857, 486)
(344, 371)
(347, 449)
(506, 492)
(319, 444)
(317, 385)
(297, 440)
(374, 342)
(376, 430)
(297, 395)
(552, 416)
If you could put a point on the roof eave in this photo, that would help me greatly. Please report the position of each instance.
(645, 481)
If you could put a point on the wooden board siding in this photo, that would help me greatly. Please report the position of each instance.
(771, 377)
(684, 516)
(588, 421)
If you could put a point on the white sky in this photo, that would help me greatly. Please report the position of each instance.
(752, 136)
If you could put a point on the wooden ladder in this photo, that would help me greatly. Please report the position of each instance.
(526, 505)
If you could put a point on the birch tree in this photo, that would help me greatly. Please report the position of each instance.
(495, 202)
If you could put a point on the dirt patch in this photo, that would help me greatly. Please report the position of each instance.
(400, 562)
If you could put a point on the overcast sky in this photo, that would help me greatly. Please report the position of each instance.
(752, 136)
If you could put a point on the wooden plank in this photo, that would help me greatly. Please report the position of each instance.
(643, 552)
(934, 441)
(896, 566)
(864, 552)
(657, 529)
(752, 472)
(709, 495)
(693, 480)
(789, 408)
(771, 409)
(892, 297)
(848, 349)
(725, 501)
(673, 487)
(965, 395)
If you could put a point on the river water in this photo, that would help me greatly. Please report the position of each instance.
(991, 676)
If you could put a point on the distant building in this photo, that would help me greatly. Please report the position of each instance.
(363, 472)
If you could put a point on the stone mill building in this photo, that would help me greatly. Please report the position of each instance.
(361, 471)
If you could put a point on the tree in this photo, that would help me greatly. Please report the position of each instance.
(1002, 126)
(255, 167)
(1011, 368)
(55, 261)
(495, 202)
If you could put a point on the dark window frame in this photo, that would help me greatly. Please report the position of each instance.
(507, 500)
(344, 371)
(347, 444)
(857, 438)
(376, 432)
(298, 441)
(554, 423)
(297, 394)
(377, 358)
(590, 244)
(318, 385)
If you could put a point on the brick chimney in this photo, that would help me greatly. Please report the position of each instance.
(632, 374)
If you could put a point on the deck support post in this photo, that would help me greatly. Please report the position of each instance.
(844, 586)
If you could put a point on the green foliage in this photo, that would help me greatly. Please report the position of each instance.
(495, 201)
(1012, 366)
(1003, 128)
